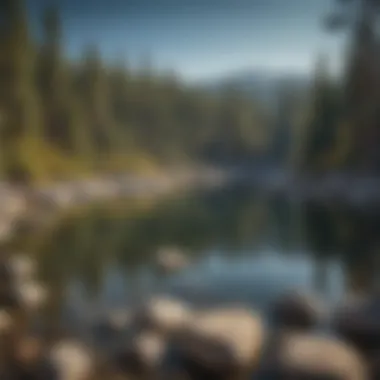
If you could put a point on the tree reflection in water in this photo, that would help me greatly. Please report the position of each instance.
(108, 252)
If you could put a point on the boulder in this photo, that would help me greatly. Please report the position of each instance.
(21, 267)
(6, 322)
(29, 360)
(113, 324)
(358, 321)
(143, 354)
(374, 365)
(62, 196)
(163, 314)
(171, 260)
(17, 203)
(222, 340)
(16, 268)
(31, 295)
(305, 356)
(6, 230)
(297, 310)
(72, 360)
(29, 349)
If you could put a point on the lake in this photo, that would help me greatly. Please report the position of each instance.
(246, 246)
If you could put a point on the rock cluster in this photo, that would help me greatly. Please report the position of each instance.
(165, 338)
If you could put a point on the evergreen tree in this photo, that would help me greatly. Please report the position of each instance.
(20, 105)
(59, 115)
(93, 92)
(321, 131)
(362, 79)
(65, 125)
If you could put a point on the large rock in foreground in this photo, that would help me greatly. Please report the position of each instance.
(358, 321)
(143, 354)
(72, 360)
(304, 357)
(222, 340)
(163, 314)
(296, 310)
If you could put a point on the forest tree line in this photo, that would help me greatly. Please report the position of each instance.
(342, 131)
(62, 118)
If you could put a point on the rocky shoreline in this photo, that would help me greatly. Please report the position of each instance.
(23, 206)
(162, 337)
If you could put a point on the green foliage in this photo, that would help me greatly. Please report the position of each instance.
(320, 138)
(61, 119)
(360, 96)
(64, 118)
(19, 99)
(341, 130)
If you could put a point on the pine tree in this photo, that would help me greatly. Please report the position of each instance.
(18, 97)
(93, 89)
(321, 129)
(283, 124)
(65, 125)
(362, 78)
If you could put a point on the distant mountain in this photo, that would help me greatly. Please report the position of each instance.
(260, 84)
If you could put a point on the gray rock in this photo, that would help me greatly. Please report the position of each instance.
(305, 356)
(298, 310)
(223, 339)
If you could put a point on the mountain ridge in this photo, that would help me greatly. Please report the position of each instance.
(262, 84)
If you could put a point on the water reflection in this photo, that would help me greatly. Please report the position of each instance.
(245, 247)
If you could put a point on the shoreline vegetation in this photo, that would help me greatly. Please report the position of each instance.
(25, 206)
(28, 206)
(75, 119)
(67, 120)
(90, 128)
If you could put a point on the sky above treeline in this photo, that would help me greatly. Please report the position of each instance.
(200, 39)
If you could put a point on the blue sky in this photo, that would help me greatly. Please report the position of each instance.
(201, 38)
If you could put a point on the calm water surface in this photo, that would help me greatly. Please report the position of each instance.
(245, 246)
